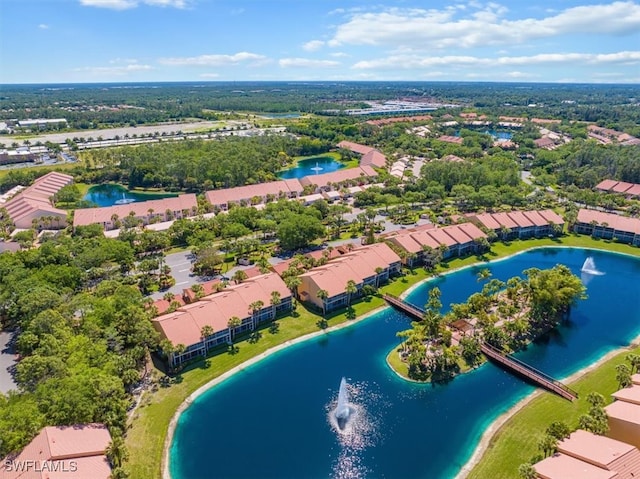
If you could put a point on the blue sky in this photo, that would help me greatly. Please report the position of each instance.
(61, 41)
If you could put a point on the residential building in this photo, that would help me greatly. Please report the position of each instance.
(624, 414)
(454, 240)
(451, 139)
(370, 156)
(584, 455)
(184, 326)
(366, 265)
(145, 212)
(608, 226)
(326, 181)
(254, 194)
(520, 224)
(628, 189)
(32, 207)
(61, 452)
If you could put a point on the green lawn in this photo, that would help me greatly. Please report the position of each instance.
(148, 429)
(516, 441)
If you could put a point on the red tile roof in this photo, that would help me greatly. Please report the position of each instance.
(622, 186)
(451, 139)
(630, 395)
(289, 187)
(505, 220)
(184, 326)
(374, 158)
(85, 445)
(361, 172)
(624, 411)
(617, 222)
(561, 466)
(357, 265)
(606, 185)
(598, 450)
(88, 216)
(355, 147)
(521, 220)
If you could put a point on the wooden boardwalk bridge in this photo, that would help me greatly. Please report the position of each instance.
(508, 362)
(523, 369)
(407, 308)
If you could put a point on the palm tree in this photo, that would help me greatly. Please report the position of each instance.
(239, 276)
(233, 324)
(350, 289)
(379, 271)
(205, 332)
(116, 451)
(322, 295)
(483, 274)
(275, 301)
(292, 283)
(255, 307)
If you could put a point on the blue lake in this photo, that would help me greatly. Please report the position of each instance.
(272, 419)
(496, 134)
(312, 166)
(109, 193)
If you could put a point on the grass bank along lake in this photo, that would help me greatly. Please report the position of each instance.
(312, 166)
(273, 419)
(110, 194)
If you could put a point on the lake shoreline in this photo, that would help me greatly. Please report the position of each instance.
(486, 437)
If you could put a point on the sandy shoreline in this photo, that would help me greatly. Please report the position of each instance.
(166, 474)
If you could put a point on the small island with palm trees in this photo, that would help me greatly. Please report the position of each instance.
(504, 315)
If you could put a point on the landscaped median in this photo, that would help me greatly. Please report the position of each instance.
(147, 432)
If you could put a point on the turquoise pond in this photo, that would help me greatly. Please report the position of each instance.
(110, 194)
(312, 166)
(496, 134)
(272, 420)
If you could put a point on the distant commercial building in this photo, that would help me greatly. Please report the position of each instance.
(42, 122)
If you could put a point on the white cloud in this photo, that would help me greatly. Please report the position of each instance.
(480, 25)
(339, 54)
(43, 26)
(417, 61)
(216, 60)
(307, 63)
(209, 75)
(313, 45)
(112, 4)
(115, 70)
(126, 4)
(520, 75)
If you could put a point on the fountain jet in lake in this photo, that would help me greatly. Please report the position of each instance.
(124, 200)
(316, 168)
(589, 267)
(342, 411)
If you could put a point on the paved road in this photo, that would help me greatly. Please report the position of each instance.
(110, 133)
(7, 361)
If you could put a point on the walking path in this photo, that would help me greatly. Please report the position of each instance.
(8, 359)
